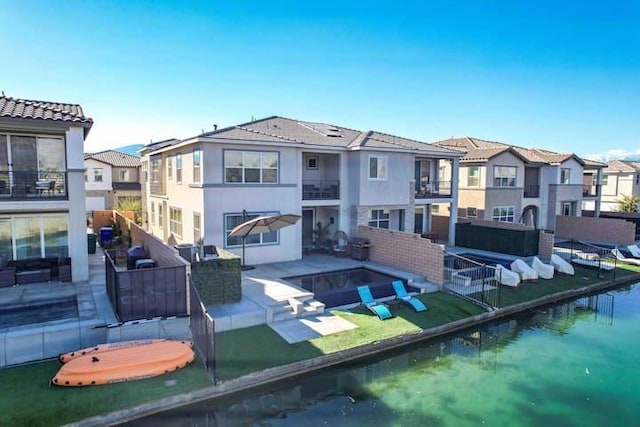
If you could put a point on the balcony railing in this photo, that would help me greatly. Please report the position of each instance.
(531, 191)
(28, 185)
(320, 189)
(589, 190)
(434, 190)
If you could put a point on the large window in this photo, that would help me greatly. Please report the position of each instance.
(377, 167)
(379, 218)
(197, 160)
(504, 213)
(175, 221)
(250, 167)
(235, 219)
(179, 168)
(23, 237)
(504, 176)
(473, 178)
(565, 174)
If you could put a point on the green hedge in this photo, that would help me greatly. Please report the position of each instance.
(218, 280)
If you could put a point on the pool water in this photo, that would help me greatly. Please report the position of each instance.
(573, 364)
(337, 288)
(39, 312)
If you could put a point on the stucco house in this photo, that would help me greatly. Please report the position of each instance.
(503, 182)
(336, 178)
(111, 177)
(620, 178)
(42, 198)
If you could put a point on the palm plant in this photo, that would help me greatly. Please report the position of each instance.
(628, 203)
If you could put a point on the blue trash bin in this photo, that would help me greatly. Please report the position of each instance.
(106, 235)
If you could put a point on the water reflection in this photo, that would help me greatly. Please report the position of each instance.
(400, 388)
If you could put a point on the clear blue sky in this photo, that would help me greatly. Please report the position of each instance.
(558, 75)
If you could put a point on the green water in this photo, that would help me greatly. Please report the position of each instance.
(575, 364)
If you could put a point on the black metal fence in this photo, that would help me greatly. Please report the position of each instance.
(598, 261)
(30, 184)
(145, 293)
(202, 331)
(472, 280)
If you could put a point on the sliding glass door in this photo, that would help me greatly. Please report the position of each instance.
(23, 237)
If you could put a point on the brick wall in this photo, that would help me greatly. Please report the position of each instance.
(605, 230)
(407, 251)
(545, 244)
(498, 224)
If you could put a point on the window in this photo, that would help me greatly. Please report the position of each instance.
(235, 219)
(179, 168)
(97, 174)
(23, 237)
(435, 208)
(567, 208)
(638, 179)
(377, 168)
(197, 234)
(472, 212)
(379, 218)
(160, 217)
(250, 167)
(155, 170)
(565, 175)
(197, 160)
(312, 162)
(504, 213)
(124, 175)
(86, 176)
(175, 220)
(170, 167)
(473, 178)
(605, 179)
(504, 176)
(145, 171)
(152, 214)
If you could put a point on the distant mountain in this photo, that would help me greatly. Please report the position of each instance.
(130, 149)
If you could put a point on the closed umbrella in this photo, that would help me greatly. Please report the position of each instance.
(262, 224)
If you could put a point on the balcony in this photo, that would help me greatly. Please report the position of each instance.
(33, 184)
(320, 189)
(531, 191)
(434, 190)
(134, 186)
(589, 190)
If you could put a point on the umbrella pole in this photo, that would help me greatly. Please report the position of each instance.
(244, 266)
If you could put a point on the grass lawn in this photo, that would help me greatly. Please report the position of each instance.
(27, 400)
(243, 351)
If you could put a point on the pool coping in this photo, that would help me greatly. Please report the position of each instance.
(270, 376)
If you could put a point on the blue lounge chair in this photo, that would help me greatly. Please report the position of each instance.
(380, 310)
(403, 295)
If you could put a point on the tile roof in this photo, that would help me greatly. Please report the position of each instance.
(296, 132)
(114, 158)
(623, 166)
(42, 110)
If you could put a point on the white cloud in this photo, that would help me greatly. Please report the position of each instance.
(614, 154)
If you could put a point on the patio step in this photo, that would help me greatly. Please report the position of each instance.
(297, 309)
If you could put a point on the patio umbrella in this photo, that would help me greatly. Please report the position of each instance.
(262, 224)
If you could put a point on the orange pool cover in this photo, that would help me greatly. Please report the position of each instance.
(125, 363)
(65, 357)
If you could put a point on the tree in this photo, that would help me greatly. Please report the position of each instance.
(131, 203)
(628, 203)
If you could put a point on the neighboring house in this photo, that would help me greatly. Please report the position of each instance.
(621, 178)
(200, 188)
(502, 182)
(42, 199)
(111, 177)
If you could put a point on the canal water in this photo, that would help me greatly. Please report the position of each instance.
(574, 364)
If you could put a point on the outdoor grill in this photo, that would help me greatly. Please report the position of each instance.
(360, 249)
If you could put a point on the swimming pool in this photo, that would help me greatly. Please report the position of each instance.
(39, 312)
(336, 288)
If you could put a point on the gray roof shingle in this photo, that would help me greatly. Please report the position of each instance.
(114, 158)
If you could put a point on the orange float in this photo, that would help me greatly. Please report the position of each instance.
(125, 363)
(101, 348)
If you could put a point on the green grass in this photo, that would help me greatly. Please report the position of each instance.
(27, 400)
(243, 351)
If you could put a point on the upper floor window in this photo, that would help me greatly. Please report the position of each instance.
(473, 177)
(178, 168)
(565, 174)
(504, 176)
(472, 212)
(379, 218)
(377, 167)
(145, 175)
(124, 175)
(504, 213)
(97, 174)
(155, 170)
(175, 221)
(197, 160)
(235, 219)
(170, 167)
(152, 214)
(250, 167)
(604, 179)
(86, 176)
(638, 179)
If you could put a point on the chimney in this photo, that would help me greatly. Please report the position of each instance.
(215, 127)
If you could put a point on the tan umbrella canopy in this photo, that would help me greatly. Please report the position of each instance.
(262, 224)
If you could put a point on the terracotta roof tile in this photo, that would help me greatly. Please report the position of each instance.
(115, 158)
(42, 110)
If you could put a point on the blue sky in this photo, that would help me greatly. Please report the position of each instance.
(564, 76)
